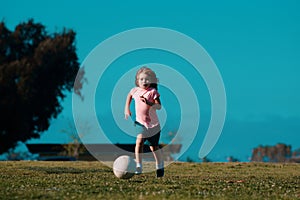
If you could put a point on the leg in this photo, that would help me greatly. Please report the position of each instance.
(157, 152)
(139, 145)
(158, 156)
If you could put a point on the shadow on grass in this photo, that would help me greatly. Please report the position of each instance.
(138, 181)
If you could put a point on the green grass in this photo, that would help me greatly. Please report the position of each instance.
(93, 180)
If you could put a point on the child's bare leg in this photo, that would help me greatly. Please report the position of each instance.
(139, 145)
(157, 152)
(158, 156)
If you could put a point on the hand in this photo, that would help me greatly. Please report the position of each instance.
(143, 99)
(127, 114)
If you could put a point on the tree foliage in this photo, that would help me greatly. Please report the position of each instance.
(36, 69)
(278, 153)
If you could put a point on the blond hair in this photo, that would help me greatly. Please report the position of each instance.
(149, 72)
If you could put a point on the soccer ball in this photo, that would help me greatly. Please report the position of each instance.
(124, 167)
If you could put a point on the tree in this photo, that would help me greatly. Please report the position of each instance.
(36, 70)
(74, 147)
(278, 153)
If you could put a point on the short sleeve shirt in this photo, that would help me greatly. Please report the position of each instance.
(145, 114)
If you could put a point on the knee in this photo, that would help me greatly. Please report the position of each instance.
(139, 140)
(154, 148)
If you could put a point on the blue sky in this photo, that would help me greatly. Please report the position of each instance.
(255, 45)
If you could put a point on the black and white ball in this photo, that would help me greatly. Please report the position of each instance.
(124, 167)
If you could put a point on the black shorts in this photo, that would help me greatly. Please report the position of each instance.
(150, 136)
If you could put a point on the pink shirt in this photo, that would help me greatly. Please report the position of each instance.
(145, 114)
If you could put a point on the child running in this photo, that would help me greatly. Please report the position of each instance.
(147, 101)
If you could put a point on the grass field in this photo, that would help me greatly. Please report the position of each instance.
(93, 180)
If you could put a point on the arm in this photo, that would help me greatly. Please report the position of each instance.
(156, 104)
(127, 111)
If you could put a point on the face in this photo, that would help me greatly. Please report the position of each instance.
(144, 80)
